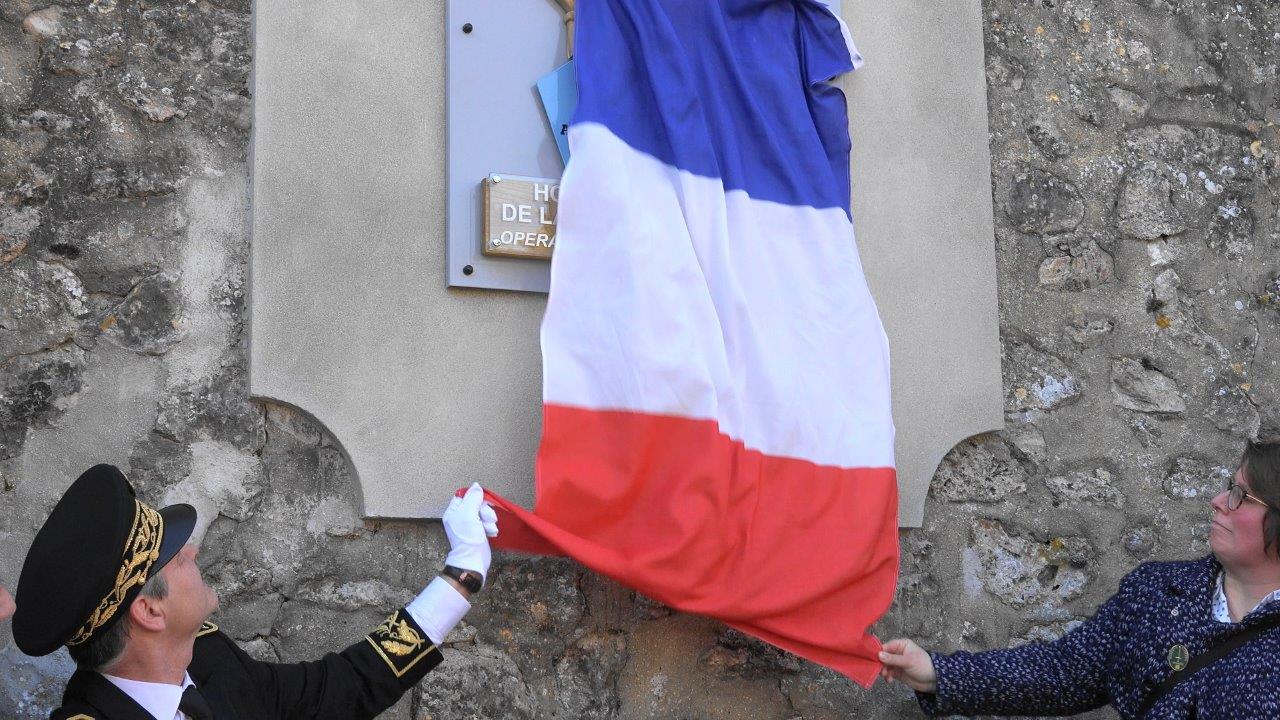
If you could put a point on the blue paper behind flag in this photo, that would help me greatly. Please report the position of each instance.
(559, 92)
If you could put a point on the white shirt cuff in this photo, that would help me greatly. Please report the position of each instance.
(437, 609)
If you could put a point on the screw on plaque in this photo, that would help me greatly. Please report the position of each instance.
(467, 269)
(495, 178)
(467, 28)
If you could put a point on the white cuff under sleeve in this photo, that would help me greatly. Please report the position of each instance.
(437, 609)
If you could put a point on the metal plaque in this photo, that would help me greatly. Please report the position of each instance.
(497, 51)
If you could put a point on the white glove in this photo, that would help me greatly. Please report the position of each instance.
(489, 518)
(469, 522)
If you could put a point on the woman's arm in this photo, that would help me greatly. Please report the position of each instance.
(1064, 677)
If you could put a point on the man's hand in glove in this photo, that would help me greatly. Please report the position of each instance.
(469, 522)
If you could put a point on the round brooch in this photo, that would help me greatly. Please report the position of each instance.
(1178, 657)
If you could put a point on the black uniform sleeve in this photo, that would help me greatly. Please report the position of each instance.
(359, 682)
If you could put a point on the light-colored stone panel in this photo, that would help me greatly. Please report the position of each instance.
(923, 214)
(428, 388)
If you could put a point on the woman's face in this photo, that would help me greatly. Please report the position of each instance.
(1236, 536)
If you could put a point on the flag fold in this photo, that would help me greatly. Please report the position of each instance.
(716, 428)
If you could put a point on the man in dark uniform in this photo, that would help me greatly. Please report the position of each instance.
(116, 582)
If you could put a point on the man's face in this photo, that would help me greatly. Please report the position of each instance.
(1236, 536)
(190, 601)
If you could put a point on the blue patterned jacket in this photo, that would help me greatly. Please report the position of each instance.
(1120, 655)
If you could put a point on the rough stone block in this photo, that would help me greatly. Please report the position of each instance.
(1137, 385)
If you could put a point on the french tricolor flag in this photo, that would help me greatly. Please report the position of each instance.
(717, 431)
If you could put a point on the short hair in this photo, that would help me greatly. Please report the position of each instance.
(1261, 464)
(102, 651)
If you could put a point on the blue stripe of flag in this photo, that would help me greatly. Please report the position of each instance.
(734, 89)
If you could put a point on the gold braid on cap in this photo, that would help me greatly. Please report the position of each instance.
(141, 550)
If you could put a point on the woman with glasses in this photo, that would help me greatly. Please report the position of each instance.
(1194, 639)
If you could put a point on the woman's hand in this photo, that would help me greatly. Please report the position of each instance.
(908, 663)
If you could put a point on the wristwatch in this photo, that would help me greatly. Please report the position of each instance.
(469, 579)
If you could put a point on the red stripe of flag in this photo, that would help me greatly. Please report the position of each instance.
(684, 514)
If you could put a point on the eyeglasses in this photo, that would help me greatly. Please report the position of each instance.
(1236, 495)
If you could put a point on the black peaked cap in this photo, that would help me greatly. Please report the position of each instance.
(98, 534)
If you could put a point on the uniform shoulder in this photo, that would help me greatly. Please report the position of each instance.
(72, 712)
(211, 649)
(207, 628)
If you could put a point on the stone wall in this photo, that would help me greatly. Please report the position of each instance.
(1136, 176)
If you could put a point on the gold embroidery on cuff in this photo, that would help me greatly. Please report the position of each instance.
(398, 644)
(141, 550)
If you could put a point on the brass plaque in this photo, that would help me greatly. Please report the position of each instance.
(520, 216)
